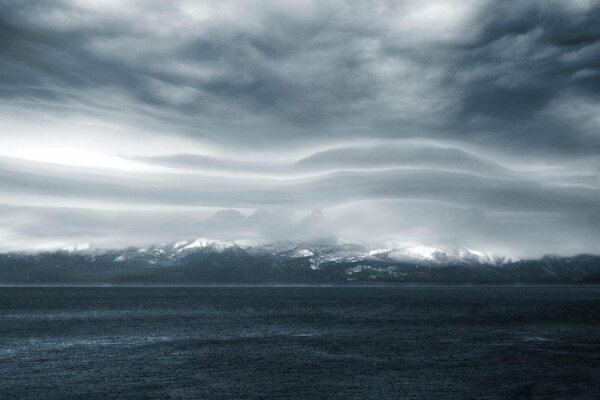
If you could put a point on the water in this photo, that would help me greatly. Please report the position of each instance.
(300, 343)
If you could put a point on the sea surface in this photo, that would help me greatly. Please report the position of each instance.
(300, 343)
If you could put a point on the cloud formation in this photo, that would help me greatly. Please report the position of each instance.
(474, 123)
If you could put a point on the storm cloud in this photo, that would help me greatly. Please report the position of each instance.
(473, 123)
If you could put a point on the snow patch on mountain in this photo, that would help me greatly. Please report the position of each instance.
(77, 247)
(202, 243)
(177, 245)
(301, 253)
(418, 252)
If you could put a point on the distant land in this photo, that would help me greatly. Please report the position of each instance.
(324, 261)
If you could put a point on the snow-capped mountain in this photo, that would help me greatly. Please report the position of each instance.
(328, 260)
(437, 255)
(202, 243)
(320, 251)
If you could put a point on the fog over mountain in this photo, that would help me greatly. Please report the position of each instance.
(443, 124)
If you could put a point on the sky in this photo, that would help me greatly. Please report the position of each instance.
(471, 123)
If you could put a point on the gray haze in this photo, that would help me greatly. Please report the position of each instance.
(474, 123)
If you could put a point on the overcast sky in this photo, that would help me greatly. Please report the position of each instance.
(473, 123)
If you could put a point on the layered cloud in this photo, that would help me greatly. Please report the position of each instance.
(472, 123)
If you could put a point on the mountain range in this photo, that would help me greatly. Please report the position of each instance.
(323, 261)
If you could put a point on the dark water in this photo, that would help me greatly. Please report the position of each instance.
(299, 343)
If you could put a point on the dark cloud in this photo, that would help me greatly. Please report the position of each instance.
(318, 70)
(325, 72)
(532, 56)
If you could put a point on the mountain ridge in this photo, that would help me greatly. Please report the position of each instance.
(325, 260)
